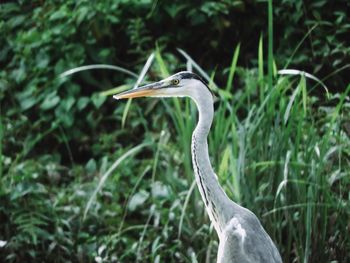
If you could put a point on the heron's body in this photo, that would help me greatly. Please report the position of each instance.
(242, 237)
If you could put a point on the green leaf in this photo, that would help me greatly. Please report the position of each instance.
(67, 119)
(98, 100)
(16, 21)
(26, 98)
(42, 60)
(82, 103)
(59, 14)
(91, 166)
(27, 103)
(68, 103)
(82, 13)
(50, 101)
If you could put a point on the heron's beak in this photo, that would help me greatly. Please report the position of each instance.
(144, 91)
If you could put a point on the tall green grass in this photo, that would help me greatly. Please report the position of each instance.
(279, 145)
(281, 152)
(276, 151)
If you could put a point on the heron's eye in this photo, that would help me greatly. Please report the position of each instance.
(175, 81)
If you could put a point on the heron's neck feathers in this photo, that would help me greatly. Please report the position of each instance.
(214, 197)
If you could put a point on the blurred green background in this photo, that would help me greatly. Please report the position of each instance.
(280, 144)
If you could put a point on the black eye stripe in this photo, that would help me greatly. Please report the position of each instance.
(190, 75)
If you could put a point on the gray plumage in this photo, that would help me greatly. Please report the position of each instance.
(241, 235)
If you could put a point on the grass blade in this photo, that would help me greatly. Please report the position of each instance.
(97, 66)
(126, 111)
(132, 192)
(307, 75)
(261, 68)
(105, 176)
(196, 66)
(299, 44)
(183, 210)
(139, 80)
(115, 90)
(290, 103)
(270, 44)
(233, 67)
(163, 69)
(144, 70)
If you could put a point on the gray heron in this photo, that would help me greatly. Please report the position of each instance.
(242, 238)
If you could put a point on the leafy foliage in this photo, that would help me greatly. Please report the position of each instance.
(284, 152)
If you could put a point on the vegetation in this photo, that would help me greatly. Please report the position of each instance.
(85, 178)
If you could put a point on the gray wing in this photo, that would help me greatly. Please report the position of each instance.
(244, 240)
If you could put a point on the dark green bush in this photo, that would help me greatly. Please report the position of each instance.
(58, 136)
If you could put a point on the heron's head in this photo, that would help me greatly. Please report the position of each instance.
(178, 85)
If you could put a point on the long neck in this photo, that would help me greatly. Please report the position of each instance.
(212, 193)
